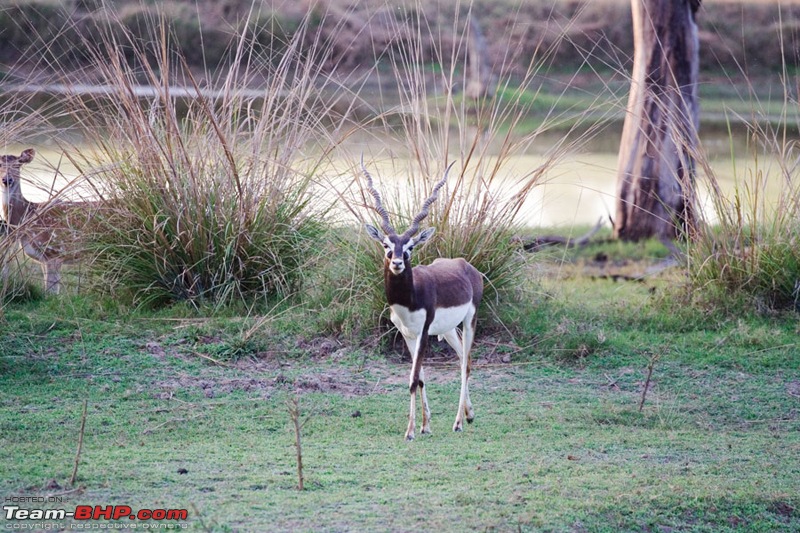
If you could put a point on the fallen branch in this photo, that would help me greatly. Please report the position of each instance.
(539, 242)
(641, 277)
(618, 277)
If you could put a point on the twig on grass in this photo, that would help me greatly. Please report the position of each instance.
(209, 358)
(650, 367)
(294, 413)
(80, 445)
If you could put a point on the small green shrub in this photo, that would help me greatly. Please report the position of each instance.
(192, 237)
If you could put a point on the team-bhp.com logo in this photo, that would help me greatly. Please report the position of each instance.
(96, 512)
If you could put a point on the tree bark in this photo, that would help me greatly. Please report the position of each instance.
(656, 171)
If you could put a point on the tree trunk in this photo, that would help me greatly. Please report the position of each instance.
(656, 172)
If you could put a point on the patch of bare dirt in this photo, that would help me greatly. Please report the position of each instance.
(336, 382)
(264, 378)
(268, 373)
(321, 346)
(211, 387)
(155, 349)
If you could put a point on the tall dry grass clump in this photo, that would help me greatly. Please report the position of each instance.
(750, 255)
(436, 123)
(206, 185)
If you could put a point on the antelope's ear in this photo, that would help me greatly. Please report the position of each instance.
(373, 232)
(26, 156)
(423, 236)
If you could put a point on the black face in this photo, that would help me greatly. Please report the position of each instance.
(397, 253)
(396, 249)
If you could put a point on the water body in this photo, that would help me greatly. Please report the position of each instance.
(578, 189)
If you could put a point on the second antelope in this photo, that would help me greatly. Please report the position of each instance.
(428, 300)
(43, 229)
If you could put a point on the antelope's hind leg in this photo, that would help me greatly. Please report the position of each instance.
(467, 339)
(464, 404)
(426, 411)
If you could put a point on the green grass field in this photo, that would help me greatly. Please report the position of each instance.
(183, 415)
(219, 286)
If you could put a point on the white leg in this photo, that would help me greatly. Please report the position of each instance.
(52, 276)
(455, 342)
(426, 411)
(413, 346)
(411, 343)
(412, 414)
(468, 337)
(5, 256)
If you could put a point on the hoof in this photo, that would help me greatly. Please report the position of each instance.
(457, 428)
(409, 437)
(469, 420)
(426, 431)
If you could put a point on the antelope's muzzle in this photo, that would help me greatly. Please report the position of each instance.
(396, 266)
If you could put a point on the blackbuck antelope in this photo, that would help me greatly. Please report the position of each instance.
(43, 229)
(428, 300)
